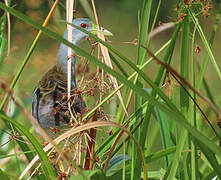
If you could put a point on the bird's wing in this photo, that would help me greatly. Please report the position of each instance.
(35, 103)
(49, 100)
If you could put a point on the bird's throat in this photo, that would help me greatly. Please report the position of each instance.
(62, 60)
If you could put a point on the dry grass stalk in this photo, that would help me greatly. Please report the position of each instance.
(77, 129)
(106, 56)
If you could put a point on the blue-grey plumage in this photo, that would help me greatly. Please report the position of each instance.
(49, 99)
(77, 38)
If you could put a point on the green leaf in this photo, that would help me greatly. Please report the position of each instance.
(38, 147)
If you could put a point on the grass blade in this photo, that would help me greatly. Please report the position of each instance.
(49, 170)
(206, 44)
(206, 58)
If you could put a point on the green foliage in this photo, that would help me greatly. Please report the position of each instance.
(170, 130)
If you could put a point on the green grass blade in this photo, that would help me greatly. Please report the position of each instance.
(12, 155)
(49, 170)
(143, 29)
(211, 157)
(176, 157)
(18, 74)
(206, 58)
(24, 147)
(116, 62)
(165, 133)
(163, 153)
(206, 44)
(184, 64)
(107, 143)
(124, 162)
(126, 60)
(194, 161)
(3, 40)
(143, 26)
(118, 119)
(157, 82)
(211, 175)
(184, 98)
(3, 45)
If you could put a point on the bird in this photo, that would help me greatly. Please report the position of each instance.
(49, 98)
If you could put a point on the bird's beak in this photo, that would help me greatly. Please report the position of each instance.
(105, 32)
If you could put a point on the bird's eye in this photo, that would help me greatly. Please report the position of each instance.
(83, 25)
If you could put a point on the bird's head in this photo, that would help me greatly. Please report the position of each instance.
(77, 37)
(87, 25)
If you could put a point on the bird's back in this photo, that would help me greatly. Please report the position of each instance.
(49, 99)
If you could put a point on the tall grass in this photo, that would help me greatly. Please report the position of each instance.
(163, 137)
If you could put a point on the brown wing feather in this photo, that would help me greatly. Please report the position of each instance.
(49, 105)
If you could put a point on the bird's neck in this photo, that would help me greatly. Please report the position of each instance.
(62, 59)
